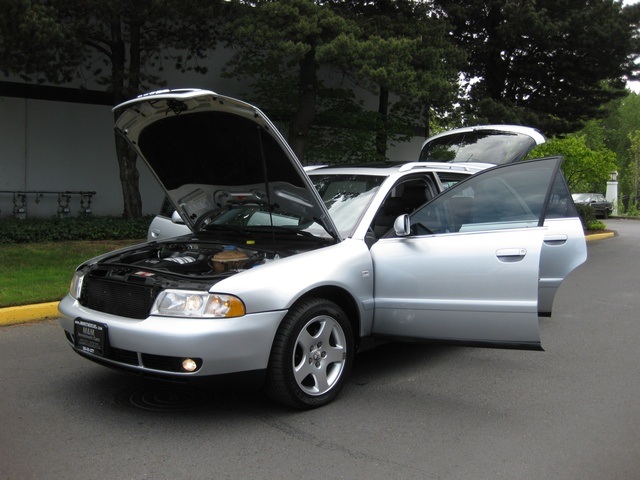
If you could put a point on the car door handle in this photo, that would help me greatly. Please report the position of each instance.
(155, 232)
(558, 239)
(508, 255)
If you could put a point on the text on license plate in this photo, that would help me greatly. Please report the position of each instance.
(90, 337)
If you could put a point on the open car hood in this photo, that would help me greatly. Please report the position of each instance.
(212, 153)
(486, 144)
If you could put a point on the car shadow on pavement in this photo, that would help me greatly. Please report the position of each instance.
(125, 392)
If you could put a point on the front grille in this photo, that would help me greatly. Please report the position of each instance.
(123, 356)
(117, 297)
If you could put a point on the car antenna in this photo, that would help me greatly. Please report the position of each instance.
(265, 174)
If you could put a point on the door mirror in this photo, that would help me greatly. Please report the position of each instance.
(176, 218)
(402, 225)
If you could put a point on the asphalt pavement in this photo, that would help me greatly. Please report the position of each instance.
(408, 411)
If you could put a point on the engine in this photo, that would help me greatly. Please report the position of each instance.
(196, 259)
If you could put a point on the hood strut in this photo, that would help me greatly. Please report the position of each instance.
(265, 174)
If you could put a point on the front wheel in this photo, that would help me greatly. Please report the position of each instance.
(311, 355)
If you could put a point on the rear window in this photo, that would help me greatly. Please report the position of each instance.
(483, 146)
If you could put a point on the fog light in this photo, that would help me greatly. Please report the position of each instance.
(189, 365)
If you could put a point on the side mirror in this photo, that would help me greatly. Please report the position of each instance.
(176, 218)
(402, 226)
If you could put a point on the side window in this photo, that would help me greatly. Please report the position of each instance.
(560, 202)
(449, 179)
(512, 196)
(405, 197)
(167, 208)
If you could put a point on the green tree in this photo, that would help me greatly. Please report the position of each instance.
(587, 162)
(618, 126)
(112, 41)
(546, 63)
(403, 50)
(280, 46)
(631, 171)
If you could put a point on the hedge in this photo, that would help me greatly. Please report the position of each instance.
(87, 227)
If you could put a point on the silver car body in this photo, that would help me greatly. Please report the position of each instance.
(471, 282)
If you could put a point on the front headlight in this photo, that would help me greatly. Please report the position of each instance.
(186, 303)
(76, 284)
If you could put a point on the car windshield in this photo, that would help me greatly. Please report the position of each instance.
(581, 197)
(346, 197)
(482, 146)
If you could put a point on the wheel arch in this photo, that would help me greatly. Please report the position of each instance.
(344, 300)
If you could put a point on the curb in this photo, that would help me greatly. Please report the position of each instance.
(28, 313)
(599, 236)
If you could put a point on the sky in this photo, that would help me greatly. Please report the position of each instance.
(633, 86)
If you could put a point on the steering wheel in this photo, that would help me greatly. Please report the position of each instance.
(206, 219)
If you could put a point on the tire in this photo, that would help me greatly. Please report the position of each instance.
(311, 355)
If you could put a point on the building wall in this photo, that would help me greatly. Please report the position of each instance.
(63, 146)
(68, 145)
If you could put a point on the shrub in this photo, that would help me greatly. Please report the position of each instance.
(595, 225)
(74, 228)
(587, 215)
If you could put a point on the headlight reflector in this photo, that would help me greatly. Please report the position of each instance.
(76, 284)
(186, 303)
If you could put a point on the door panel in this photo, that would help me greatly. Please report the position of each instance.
(478, 287)
(469, 269)
(563, 250)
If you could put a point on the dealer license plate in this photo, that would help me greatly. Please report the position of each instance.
(91, 337)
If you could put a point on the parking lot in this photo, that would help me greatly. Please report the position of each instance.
(408, 411)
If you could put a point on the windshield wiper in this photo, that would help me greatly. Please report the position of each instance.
(302, 233)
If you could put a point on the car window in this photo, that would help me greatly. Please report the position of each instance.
(449, 179)
(560, 204)
(167, 208)
(496, 199)
(405, 197)
(485, 146)
(346, 197)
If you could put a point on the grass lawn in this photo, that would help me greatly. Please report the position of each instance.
(41, 272)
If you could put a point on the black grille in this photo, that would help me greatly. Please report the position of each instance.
(117, 297)
(123, 356)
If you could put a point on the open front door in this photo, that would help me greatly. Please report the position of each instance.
(467, 272)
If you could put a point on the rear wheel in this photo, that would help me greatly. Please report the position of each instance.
(311, 355)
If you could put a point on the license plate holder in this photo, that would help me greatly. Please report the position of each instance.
(91, 337)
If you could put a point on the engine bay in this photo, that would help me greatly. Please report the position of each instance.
(199, 259)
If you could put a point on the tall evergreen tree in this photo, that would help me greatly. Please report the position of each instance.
(403, 50)
(281, 45)
(541, 62)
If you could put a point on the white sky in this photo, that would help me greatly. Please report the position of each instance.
(633, 86)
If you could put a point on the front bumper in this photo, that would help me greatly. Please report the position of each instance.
(151, 345)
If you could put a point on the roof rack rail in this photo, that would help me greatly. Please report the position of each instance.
(442, 165)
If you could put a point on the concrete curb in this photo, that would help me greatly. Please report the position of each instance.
(599, 236)
(28, 313)
(42, 311)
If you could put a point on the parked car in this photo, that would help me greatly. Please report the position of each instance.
(600, 205)
(283, 280)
